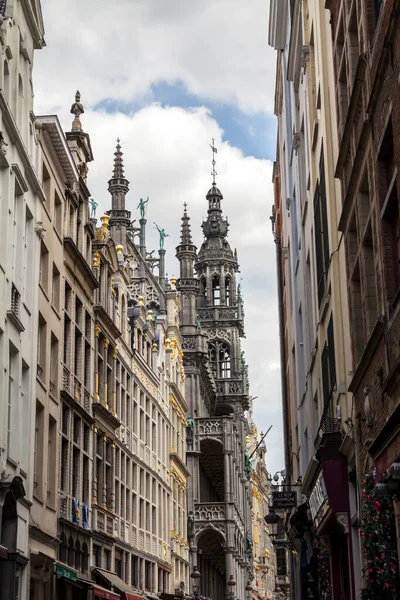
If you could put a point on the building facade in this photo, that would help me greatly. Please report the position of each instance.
(264, 563)
(316, 353)
(21, 198)
(219, 499)
(365, 39)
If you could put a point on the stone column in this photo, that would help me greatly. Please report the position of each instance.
(96, 364)
(105, 359)
(161, 279)
(128, 572)
(209, 287)
(114, 382)
(227, 477)
(113, 446)
(104, 495)
(222, 286)
(142, 238)
(229, 570)
(94, 473)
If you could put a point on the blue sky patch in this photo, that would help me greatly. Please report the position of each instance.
(254, 134)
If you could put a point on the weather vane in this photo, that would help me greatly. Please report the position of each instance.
(214, 151)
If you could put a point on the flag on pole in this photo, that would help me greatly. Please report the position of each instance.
(213, 149)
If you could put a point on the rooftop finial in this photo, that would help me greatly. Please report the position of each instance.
(118, 162)
(214, 151)
(77, 110)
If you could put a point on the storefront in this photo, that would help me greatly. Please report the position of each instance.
(385, 451)
(118, 587)
(327, 490)
(67, 585)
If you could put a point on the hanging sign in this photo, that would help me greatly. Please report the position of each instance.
(284, 500)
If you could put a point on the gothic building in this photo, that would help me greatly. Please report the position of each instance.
(219, 505)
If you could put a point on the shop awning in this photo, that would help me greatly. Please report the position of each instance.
(129, 596)
(100, 592)
(116, 582)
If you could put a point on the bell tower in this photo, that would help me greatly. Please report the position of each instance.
(219, 305)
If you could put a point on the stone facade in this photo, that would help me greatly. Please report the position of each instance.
(219, 499)
(316, 351)
(21, 198)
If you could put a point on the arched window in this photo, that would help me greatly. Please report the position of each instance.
(203, 291)
(216, 291)
(85, 558)
(78, 556)
(71, 552)
(228, 299)
(220, 359)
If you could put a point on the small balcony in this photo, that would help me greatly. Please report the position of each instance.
(230, 387)
(14, 313)
(328, 426)
(209, 512)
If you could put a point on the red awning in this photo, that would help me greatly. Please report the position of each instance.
(132, 597)
(101, 593)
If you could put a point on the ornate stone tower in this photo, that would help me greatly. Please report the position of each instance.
(219, 522)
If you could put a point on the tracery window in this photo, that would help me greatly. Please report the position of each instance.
(220, 359)
(216, 291)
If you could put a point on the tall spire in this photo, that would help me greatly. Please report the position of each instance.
(186, 234)
(118, 162)
(118, 187)
(118, 183)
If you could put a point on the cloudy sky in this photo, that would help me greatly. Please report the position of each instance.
(167, 77)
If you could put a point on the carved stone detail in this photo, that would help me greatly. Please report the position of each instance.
(210, 512)
(189, 343)
(343, 519)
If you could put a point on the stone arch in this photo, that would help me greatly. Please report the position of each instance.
(211, 471)
(211, 560)
(224, 409)
(71, 551)
(78, 556)
(85, 558)
(220, 357)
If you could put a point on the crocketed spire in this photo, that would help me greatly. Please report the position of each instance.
(118, 163)
(186, 235)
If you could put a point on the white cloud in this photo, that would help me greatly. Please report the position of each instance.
(118, 49)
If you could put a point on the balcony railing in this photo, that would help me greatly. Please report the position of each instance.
(230, 387)
(219, 313)
(209, 511)
(328, 425)
(15, 300)
(213, 426)
(73, 510)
